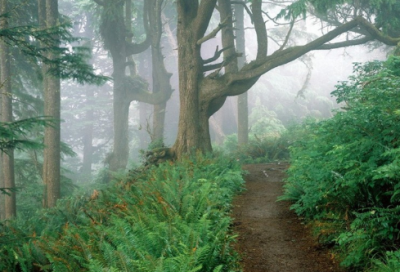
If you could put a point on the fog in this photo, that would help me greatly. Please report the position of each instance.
(286, 94)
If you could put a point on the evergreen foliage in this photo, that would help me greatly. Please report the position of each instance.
(173, 217)
(344, 173)
(12, 135)
(34, 42)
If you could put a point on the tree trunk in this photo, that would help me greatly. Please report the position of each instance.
(161, 78)
(218, 131)
(2, 199)
(51, 163)
(6, 116)
(145, 133)
(86, 170)
(113, 31)
(242, 103)
(193, 122)
(121, 117)
(87, 141)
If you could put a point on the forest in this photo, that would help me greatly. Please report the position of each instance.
(124, 127)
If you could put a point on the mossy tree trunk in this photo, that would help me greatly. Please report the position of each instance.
(117, 39)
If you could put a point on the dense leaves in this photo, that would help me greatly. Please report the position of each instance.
(170, 218)
(344, 172)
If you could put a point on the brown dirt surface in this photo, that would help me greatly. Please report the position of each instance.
(271, 237)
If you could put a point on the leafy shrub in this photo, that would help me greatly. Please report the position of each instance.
(345, 171)
(391, 262)
(267, 148)
(173, 217)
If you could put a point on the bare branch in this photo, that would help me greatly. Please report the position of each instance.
(220, 65)
(273, 20)
(217, 54)
(287, 36)
(213, 33)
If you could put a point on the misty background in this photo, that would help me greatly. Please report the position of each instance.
(286, 94)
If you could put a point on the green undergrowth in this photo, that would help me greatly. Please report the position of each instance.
(173, 217)
(260, 149)
(345, 171)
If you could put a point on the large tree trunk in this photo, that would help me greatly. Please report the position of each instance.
(6, 116)
(242, 103)
(191, 130)
(52, 98)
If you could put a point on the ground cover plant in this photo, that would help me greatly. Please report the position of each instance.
(173, 217)
(259, 149)
(344, 173)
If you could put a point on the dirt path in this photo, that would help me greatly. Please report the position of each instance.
(271, 237)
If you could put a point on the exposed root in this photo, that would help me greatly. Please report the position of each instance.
(159, 155)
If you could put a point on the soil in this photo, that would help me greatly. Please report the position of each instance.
(271, 236)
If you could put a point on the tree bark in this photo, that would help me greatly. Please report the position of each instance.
(189, 67)
(52, 108)
(7, 116)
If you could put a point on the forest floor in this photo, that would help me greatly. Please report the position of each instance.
(271, 237)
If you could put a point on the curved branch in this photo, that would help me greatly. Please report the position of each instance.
(213, 33)
(217, 54)
(222, 64)
(378, 35)
(287, 35)
(330, 46)
(137, 90)
(261, 30)
(133, 48)
(259, 67)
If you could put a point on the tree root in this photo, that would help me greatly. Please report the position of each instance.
(159, 155)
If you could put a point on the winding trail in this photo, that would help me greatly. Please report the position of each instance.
(271, 237)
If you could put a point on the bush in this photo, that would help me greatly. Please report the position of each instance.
(345, 171)
(261, 149)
